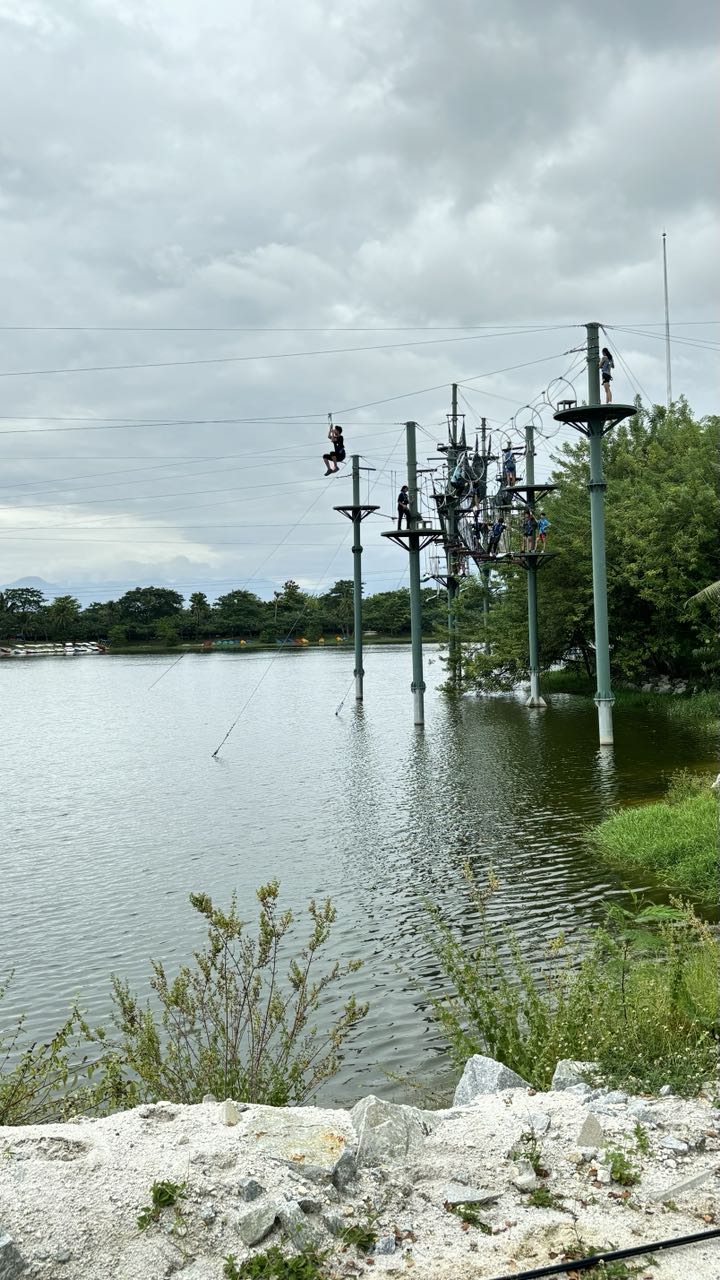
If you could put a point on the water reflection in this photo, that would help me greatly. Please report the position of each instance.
(116, 810)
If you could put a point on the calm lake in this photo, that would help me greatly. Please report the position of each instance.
(113, 811)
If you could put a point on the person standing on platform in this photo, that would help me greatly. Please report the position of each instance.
(509, 466)
(496, 534)
(607, 364)
(528, 530)
(403, 507)
(543, 525)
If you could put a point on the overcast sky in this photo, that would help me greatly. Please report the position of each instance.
(456, 185)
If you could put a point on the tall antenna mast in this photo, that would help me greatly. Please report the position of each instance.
(667, 324)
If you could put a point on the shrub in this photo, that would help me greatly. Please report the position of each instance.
(229, 1024)
(40, 1081)
(641, 1001)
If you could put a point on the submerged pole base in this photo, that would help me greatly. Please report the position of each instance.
(605, 721)
(536, 699)
(419, 705)
(358, 688)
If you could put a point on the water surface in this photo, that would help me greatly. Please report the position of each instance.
(114, 811)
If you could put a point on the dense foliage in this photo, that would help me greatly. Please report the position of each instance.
(159, 615)
(662, 506)
(641, 1001)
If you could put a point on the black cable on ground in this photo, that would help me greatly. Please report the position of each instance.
(612, 1255)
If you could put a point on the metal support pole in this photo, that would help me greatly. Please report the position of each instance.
(418, 683)
(535, 699)
(486, 568)
(452, 522)
(667, 325)
(603, 697)
(357, 578)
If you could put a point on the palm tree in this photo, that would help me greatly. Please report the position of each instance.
(711, 594)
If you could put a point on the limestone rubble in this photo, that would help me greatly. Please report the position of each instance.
(70, 1194)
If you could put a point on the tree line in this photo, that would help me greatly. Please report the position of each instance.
(160, 615)
(662, 514)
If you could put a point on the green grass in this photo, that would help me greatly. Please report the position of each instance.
(675, 841)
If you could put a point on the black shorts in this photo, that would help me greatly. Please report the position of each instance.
(606, 378)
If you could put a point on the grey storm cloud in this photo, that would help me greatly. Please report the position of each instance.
(286, 166)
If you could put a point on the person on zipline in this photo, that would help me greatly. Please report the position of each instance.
(403, 507)
(528, 530)
(496, 534)
(607, 364)
(338, 453)
(509, 466)
(543, 525)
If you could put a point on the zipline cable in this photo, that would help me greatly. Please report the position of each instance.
(165, 672)
(268, 355)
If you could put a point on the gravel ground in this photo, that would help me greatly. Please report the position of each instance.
(70, 1194)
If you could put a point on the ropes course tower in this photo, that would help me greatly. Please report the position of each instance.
(493, 531)
(594, 420)
(418, 534)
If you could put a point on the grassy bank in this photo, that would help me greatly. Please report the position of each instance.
(674, 841)
(701, 707)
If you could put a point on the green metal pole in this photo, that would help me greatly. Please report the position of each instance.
(604, 696)
(486, 568)
(452, 523)
(357, 579)
(535, 699)
(418, 683)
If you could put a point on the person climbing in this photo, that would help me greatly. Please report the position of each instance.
(543, 525)
(607, 364)
(496, 534)
(338, 452)
(458, 480)
(528, 530)
(509, 466)
(403, 507)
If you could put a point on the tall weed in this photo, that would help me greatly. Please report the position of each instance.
(641, 1001)
(233, 1024)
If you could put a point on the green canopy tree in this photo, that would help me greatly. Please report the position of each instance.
(62, 618)
(238, 613)
(336, 607)
(662, 519)
(21, 610)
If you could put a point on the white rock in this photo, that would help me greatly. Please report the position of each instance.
(460, 1193)
(255, 1223)
(538, 1122)
(571, 1071)
(229, 1113)
(686, 1184)
(303, 1233)
(592, 1133)
(388, 1133)
(674, 1144)
(11, 1264)
(484, 1075)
